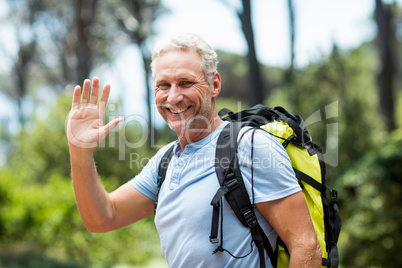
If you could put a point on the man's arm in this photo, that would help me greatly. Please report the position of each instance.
(99, 210)
(291, 219)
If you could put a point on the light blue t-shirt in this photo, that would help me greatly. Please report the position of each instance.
(184, 214)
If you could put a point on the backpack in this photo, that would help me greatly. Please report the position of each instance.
(309, 166)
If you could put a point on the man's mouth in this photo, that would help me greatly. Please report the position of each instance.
(177, 110)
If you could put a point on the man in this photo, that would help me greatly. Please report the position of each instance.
(186, 86)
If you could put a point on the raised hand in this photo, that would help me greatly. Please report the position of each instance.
(85, 127)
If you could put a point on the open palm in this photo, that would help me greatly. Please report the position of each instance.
(85, 127)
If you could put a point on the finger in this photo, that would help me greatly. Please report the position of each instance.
(94, 91)
(76, 97)
(85, 91)
(104, 97)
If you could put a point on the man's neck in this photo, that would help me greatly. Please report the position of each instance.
(194, 135)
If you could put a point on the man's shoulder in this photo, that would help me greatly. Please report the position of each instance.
(167, 146)
(164, 149)
(153, 162)
(256, 137)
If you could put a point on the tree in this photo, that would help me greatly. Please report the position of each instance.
(26, 52)
(292, 30)
(234, 72)
(79, 42)
(289, 76)
(255, 86)
(57, 45)
(136, 19)
(388, 61)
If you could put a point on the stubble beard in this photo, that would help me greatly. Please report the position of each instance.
(200, 122)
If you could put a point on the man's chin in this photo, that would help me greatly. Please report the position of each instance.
(188, 126)
(178, 128)
(184, 129)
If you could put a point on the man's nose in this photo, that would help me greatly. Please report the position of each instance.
(175, 95)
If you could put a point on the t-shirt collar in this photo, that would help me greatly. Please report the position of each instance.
(198, 144)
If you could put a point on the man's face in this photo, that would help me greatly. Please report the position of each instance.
(182, 94)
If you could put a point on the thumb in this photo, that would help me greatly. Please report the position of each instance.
(112, 124)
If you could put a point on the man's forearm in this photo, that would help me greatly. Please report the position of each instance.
(309, 257)
(92, 199)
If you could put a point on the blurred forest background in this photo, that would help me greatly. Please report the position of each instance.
(351, 100)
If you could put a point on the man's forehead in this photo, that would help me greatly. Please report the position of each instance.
(171, 74)
(178, 63)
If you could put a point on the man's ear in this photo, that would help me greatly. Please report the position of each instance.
(216, 85)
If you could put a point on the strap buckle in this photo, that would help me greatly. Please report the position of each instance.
(213, 240)
(333, 196)
(250, 218)
(227, 187)
(231, 185)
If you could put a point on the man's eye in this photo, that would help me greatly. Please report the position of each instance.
(186, 84)
(163, 86)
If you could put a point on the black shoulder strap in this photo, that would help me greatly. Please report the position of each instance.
(226, 148)
(233, 188)
(162, 169)
(296, 122)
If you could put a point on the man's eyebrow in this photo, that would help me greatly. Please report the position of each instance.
(186, 78)
(179, 78)
(160, 81)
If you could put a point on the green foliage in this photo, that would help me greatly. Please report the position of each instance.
(370, 201)
(337, 98)
(398, 106)
(32, 258)
(46, 216)
(233, 69)
(37, 204)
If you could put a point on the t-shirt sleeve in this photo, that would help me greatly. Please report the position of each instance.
(147, 180)
(266, 167)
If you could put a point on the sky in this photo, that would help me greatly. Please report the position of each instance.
(319, 23)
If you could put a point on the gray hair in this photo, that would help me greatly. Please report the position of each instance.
(188, 42)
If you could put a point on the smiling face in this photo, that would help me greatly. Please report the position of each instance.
(183, 97)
